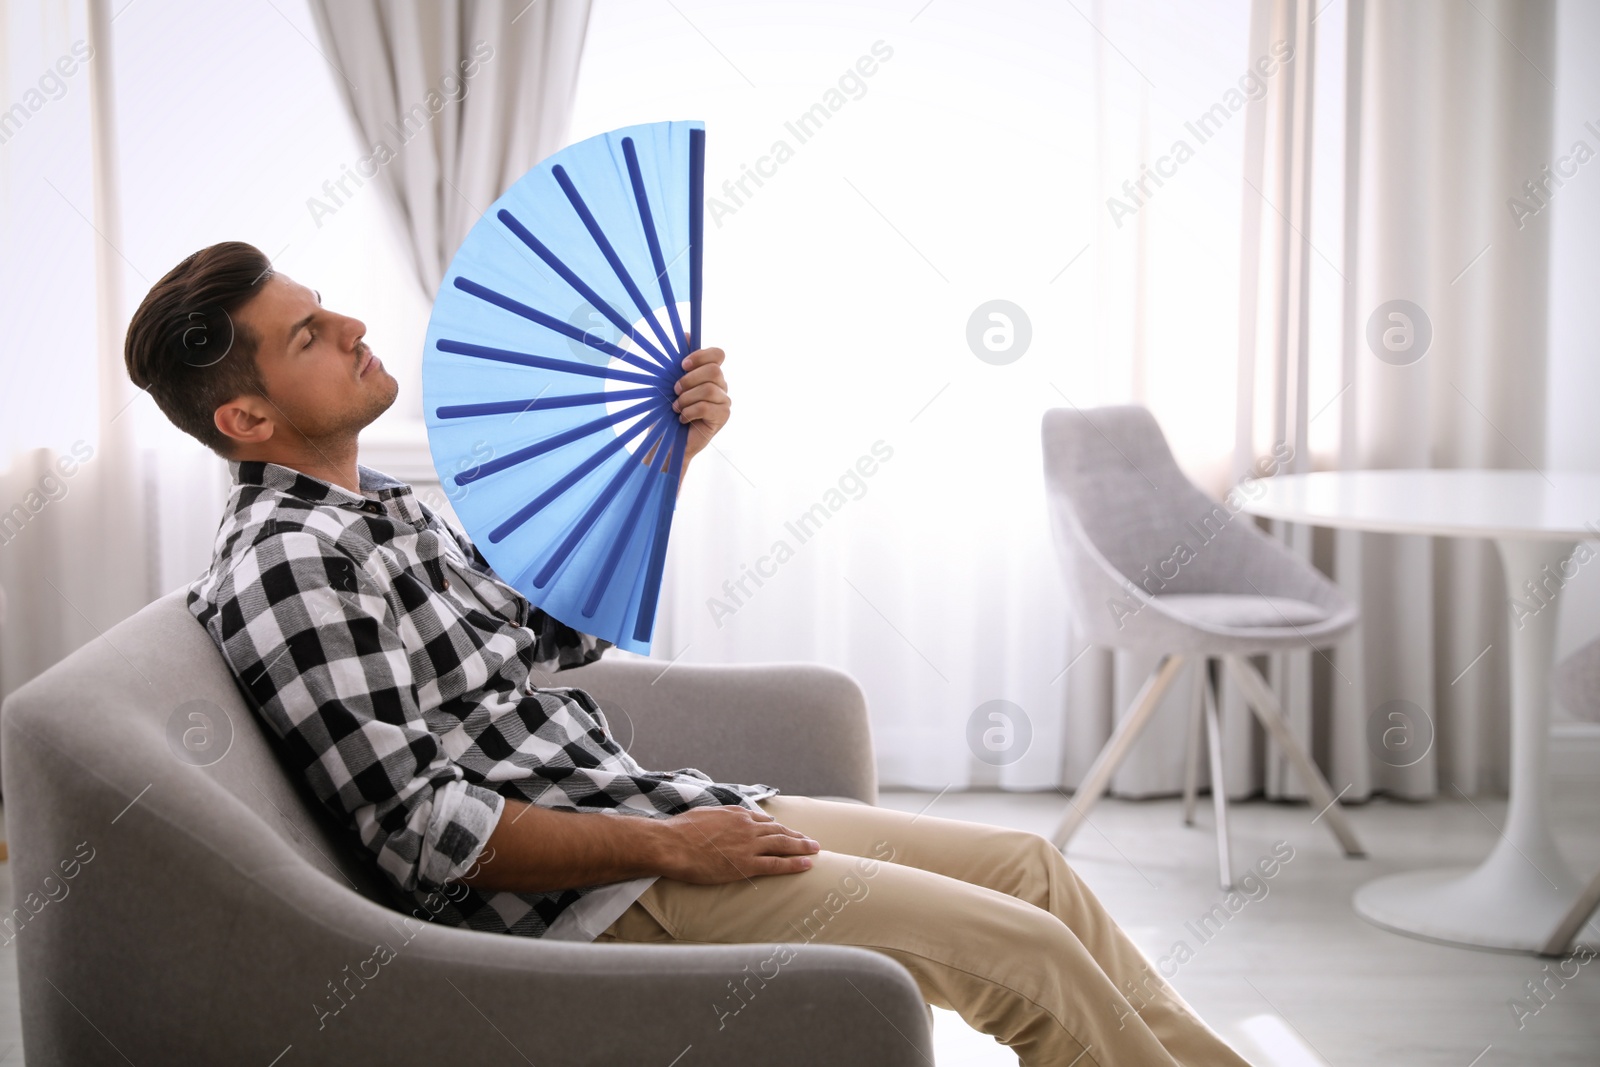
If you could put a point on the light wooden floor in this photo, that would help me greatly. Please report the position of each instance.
(1296, 979)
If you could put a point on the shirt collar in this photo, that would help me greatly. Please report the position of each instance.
(392, 495)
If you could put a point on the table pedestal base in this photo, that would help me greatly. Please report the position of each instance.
(1506, 903)
(1514, 899)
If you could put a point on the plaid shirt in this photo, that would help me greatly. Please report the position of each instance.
(397, 671)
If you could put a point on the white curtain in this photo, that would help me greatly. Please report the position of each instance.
(508, 66)
(1437, 112)
(852, 288)
(103, 505)
(970, 154)
(1484, 401)
(1375, 168)
(933, 581)
(74, 542)
(1335, 155)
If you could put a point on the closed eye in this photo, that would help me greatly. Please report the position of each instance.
(311, 335)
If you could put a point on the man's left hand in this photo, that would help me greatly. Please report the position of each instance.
(703, 400)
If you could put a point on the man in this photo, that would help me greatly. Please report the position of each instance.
(398, 672)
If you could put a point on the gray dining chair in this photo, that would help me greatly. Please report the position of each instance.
(1153, 565)
(1577, 687)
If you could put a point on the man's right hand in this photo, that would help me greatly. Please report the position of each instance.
(713, 845)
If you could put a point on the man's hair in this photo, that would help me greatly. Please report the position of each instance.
(186, 346)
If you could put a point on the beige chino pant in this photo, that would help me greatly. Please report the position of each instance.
(993, 924)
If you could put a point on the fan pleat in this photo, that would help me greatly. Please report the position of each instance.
(528, 359)
(506, 407)
(565, 437)
(589, 222)
(647, 223)
(568, 480)
(581, 528)
(567, 275)
(550, 322)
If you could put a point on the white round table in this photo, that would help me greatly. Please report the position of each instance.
(1514, 898)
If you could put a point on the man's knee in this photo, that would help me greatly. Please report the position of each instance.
(1040, 842)
(1046, 851)
(1024, 845)
(1039, 864)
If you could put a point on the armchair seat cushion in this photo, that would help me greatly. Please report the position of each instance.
(1232, 611)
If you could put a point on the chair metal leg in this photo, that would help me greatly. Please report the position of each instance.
(1260, 697)
(1219, 788)
(1116, 749)
(1560, 942)
(1191, 770)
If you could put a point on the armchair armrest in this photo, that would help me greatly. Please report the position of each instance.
(799, 726)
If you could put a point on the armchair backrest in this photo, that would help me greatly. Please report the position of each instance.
(1114, 471)
(1130, 526)
(151, 711)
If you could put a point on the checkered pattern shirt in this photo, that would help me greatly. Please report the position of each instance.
(397, 671)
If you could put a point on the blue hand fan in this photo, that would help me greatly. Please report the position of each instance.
(547, 377)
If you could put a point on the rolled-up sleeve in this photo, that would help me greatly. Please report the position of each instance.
(314, 641)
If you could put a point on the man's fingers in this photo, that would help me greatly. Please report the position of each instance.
(702, 356)
(776, 828)
(703, 410)
(710, 372)
(701, 391)
(764, 846)
(782, 864)
(705, 391)
(785, 839)
(791, 832)
(784, 845)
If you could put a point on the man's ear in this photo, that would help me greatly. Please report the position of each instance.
(244, 420)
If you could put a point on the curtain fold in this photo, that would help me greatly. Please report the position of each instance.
(1377, 163)
(455, 99)
(934, 582)
(1442, 110)
(1375, 168)
(1261, 162)
(1480, 398)
(97, 516)
(1343, 212)
(75, 548)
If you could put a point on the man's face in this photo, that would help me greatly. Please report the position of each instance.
(322, 380)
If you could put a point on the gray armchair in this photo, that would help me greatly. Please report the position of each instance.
(185, 900)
